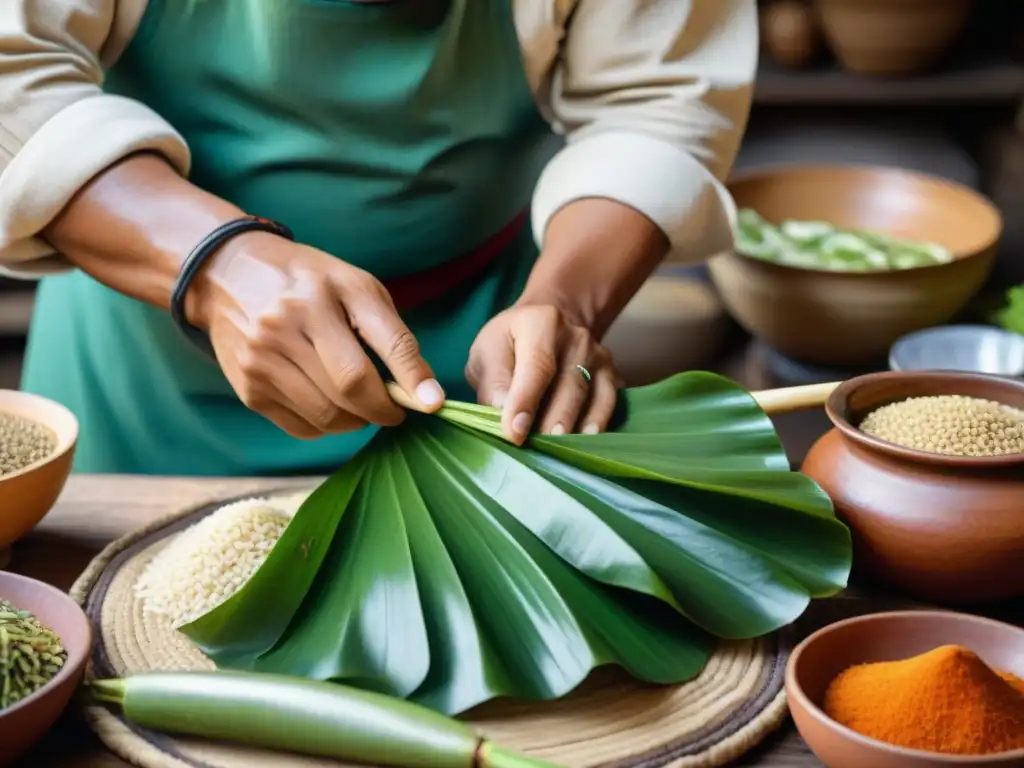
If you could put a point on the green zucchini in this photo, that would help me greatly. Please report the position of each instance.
(303, 716)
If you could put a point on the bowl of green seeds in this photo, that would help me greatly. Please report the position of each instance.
(37, 446)
(833, 263)
(45, 640)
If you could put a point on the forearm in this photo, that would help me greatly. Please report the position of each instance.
(133, 225)
(596, 255)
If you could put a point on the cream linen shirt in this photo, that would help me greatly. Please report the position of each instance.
(652, 97)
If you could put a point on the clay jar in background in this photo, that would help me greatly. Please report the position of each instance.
(790, 32)
(945, 529)
(892, 38)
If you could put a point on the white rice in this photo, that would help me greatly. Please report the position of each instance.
(206, 564)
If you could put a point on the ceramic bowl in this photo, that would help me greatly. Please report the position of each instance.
(946, 529)
(891, 37)
(30, 493)
(971, 348)
(25, 723)
(819, 659)
(850, 319)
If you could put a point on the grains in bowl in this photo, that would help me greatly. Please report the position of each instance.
(951, 425)
(23, 442)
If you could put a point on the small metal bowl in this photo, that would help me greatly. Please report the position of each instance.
(969, 348)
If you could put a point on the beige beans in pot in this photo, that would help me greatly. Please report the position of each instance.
(952, 425)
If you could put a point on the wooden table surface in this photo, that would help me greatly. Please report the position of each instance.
(94, 510)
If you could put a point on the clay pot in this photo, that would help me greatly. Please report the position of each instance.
(29, 493)
(790, 33)
(881, 637)
(942, 528)
(851, 319)
(23, 724)
(892, 37)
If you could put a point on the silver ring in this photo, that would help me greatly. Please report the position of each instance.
(584, 373)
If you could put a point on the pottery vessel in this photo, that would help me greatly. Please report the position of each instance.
(790, 32)
(851, 319)
(892, 37)
(28, 494)
(945, 529)
(25, 723)
(890, 637)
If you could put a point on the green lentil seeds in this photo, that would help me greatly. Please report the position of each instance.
(23, 442)
(30, 654)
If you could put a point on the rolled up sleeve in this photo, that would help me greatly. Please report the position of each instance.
(653, 98)
(58, 129)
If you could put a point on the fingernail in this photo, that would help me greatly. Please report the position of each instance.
(521, 423)
(499, 399)
(430, 393)
(558, 429)
(590, 429)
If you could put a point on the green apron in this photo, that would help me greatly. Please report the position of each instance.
(396, 136)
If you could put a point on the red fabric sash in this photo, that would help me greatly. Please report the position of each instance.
(412, 291)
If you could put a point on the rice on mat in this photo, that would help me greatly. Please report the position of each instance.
(210, 561)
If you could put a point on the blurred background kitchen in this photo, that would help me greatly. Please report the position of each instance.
(929, 86)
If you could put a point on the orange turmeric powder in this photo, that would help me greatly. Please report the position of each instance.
(946, 700)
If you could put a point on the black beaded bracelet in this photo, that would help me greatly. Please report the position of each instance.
(206, 248)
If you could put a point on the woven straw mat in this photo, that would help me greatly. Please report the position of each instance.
(611, 721)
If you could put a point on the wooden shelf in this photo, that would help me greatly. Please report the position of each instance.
(974, 81)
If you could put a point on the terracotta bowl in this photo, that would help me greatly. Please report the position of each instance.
(946, 529)
(31, 492)
(819, 659)
(24, 723)
(851, 319)
(892, 37)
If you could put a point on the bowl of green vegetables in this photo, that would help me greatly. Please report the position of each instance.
(45, 641)
(833, 263)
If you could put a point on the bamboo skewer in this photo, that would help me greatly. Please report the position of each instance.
(773, 401)
(792, 399)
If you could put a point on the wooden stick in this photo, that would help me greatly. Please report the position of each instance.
(773, 401)
(792, 399)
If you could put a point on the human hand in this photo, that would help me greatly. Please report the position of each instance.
(525, 362)
(286, 322)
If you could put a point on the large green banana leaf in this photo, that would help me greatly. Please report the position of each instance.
(447, 566)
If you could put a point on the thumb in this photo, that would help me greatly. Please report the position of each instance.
(490, 369)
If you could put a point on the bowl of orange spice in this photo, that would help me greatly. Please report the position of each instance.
(911, 689)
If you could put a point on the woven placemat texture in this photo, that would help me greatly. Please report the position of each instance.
(612, 721)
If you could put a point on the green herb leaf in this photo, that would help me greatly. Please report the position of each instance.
(254, 619)
(462, 568)
(1011, 316)
(365, 624)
